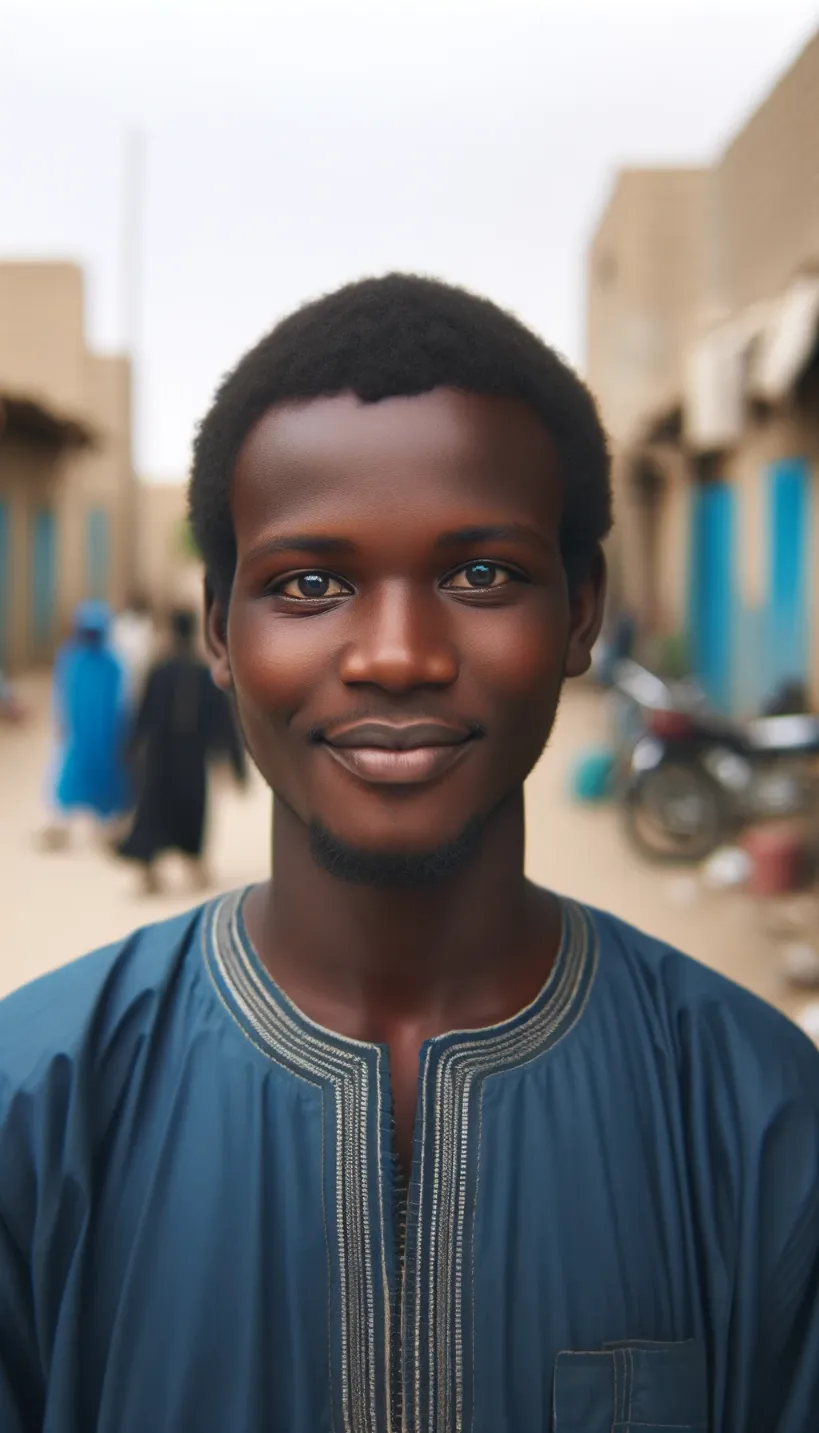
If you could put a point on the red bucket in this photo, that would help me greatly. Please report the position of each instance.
(782, 856)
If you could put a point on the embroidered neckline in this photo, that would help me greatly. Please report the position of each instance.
(411, 1327)
(232, 952)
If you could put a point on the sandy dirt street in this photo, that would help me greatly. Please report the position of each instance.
(57, 906)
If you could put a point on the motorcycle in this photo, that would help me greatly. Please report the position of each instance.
(689, 780)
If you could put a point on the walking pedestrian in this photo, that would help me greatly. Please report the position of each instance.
(184, 723)
(90, 712)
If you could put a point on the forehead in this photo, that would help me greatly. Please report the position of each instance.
(338, 456)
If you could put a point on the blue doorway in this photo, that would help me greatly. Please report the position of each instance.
(43, 582)
(5, 582)
(97, 548)
(788, 599)
(711, 595)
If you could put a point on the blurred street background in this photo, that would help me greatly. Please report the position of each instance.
(639, 181)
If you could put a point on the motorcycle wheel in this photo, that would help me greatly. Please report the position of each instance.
(674, 813)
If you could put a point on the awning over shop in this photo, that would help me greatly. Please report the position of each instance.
(664, 424)
(716, 380)
(757, 355)
(787, 341)
(31, 421)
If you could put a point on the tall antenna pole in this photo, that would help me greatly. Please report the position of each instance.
(131, 280)
(132, 240)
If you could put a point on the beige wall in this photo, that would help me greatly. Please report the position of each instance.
(767, 189)
(647, 277)
(42, 348)
(746, 469)
(103, 478)
(164, 573)
(625, 543)
(674, 545)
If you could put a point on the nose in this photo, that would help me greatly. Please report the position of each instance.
(401, 643)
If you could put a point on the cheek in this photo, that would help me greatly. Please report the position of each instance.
(522, 654)
(274, 663)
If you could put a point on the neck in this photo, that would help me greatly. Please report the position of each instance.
(469, 950)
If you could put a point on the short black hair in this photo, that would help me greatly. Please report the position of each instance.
(390, 337)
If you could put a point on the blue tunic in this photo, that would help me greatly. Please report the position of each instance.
(90, 696)
(612, 1219)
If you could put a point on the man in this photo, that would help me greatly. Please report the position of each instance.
(90, 710)
(184, 721)
(398, 1141)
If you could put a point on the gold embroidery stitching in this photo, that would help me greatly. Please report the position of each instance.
(459, 1066)
(317, 1059)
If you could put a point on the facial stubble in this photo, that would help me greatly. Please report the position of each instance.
(395, 870)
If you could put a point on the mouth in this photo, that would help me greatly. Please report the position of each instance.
(399, 754)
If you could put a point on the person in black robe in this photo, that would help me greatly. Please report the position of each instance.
(184, 721)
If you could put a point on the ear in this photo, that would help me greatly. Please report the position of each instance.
(216, 640)
(587, 606)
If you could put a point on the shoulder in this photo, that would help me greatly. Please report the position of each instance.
(739, 1085)
(76, 1013)
(709, 1023)
(75, 1046)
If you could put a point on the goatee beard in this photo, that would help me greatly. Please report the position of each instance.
(394, 870)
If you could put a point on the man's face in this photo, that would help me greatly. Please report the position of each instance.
(399, 626)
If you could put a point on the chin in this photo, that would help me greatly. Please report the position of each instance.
(389, 864)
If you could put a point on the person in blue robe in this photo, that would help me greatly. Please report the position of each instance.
(396, 1141)
(90, 709)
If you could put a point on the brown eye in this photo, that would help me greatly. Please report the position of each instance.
(479, 576)
(313, 585)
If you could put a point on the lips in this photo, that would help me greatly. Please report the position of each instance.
(394, 736)
(399, 754)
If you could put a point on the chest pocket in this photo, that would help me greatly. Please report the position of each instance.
(631, 1388)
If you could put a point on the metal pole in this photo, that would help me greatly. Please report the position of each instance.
(131, 278)
(132, 237)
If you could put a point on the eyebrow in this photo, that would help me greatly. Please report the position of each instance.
(301, 542)
(318, 543)
(496, 532)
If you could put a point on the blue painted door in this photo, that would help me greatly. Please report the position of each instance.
(43, 581)
(97, 548)
(5, 581)
(712, 589)
(788, 597)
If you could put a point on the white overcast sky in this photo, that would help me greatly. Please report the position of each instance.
(293, 144)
